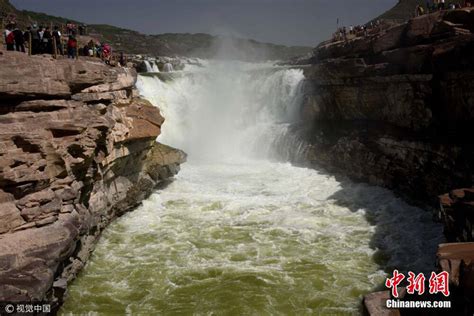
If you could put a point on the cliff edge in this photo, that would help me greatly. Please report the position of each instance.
(396, 109)
(77, 149)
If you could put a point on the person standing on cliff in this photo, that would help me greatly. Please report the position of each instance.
(19, 40)
(57, 38)
(441, 4)
(68, 28)
(35, 40)
(41, 45)
(9, 37)
(26, 37)
(419, 10)
(47, 41)
(71, 47)
(122, 60)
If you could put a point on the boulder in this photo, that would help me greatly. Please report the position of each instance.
(375, 304)
(458, 260)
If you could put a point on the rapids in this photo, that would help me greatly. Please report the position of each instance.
(239, 232)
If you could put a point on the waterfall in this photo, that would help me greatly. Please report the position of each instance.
(168, 67)
(151, 66)
(155, 67)
(148, 66)
(236, 235)
(227, 109)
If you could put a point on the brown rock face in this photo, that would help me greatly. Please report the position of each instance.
(457, 214)
(458, 260)
(77, 149)
(395, 108)
(375, 304)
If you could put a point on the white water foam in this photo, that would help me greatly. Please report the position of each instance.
(151, 66)
(226, 110)
(237, 235)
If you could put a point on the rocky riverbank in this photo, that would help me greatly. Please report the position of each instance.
(396, 109)
(78, 148)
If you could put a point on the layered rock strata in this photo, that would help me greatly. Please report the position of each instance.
(397, 108)
(77, 149)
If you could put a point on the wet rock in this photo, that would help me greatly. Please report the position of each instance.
(60, 288)
(375, 304)
(458, 260)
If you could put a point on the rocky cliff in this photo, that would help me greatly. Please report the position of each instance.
(397, 108)
(77, 149)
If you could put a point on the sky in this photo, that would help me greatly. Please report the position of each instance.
(288, 22)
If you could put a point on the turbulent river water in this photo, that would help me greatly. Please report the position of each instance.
(237, 232)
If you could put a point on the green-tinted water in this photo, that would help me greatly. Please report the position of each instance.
(256, 238)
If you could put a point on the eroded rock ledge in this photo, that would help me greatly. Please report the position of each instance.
(397, 108)
(77, 149)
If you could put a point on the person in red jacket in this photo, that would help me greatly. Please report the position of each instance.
(9, 37)
(71, 47)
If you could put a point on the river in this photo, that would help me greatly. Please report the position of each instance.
(239, 232)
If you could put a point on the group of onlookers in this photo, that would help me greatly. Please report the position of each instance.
(343, 33)
(437, 5)
(73, 29)
(42, 40)
(93, 49)
(38, 39)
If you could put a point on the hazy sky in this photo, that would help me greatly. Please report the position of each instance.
(290, 22)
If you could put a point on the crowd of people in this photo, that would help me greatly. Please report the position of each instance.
(73, 29)
(437, 5)
(344, 33)
(42, 40)
(38, 40)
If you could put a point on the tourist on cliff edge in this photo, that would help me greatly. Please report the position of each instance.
(9, 37)
(57, 38)
(35, 40)
(71, 47)
(47, 41)
(19, 40)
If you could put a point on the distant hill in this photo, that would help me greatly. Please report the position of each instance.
(189, 45)
(405, 9)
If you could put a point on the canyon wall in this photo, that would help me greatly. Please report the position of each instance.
(77, 149)
(396, 108)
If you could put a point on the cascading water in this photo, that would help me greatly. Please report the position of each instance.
(168, 67)
(222, 111)
(238, 233)
(151, 66)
